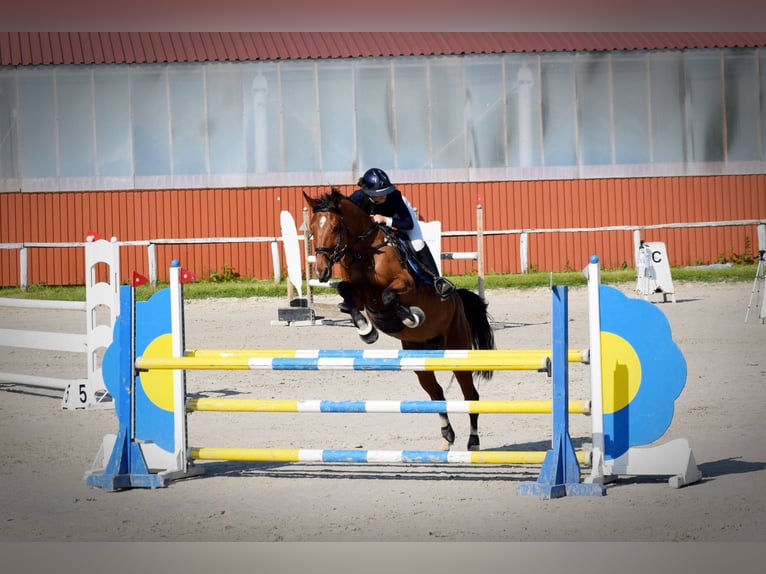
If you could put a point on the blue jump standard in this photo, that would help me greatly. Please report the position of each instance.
(560, 473)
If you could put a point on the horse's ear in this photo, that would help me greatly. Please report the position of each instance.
(309, 200)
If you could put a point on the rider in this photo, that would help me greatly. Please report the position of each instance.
(387, 206)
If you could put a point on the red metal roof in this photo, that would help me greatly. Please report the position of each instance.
(44, 48)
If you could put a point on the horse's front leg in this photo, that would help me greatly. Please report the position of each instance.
(364, 328)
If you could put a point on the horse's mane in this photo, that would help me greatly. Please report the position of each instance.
(329, 201)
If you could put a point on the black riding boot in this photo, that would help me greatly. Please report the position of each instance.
(441, 285)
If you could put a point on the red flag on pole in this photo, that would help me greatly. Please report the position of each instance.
(138, 279)
(186, 276)
(96, 236)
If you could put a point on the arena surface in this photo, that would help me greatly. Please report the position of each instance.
(46, 450)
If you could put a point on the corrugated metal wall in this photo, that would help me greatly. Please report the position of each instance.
(166, 214)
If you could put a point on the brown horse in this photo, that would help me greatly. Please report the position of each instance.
(377, 281)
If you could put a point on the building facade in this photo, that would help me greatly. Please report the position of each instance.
(173, 136)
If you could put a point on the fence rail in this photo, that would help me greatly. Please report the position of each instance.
(151, 244)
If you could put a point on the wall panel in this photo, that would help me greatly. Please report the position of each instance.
(517, 205)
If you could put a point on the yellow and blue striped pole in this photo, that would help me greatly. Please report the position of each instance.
(381, 406)
(358, 360)
(372, 456)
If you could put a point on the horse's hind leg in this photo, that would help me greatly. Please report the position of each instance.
(410, 316)
(465, 380)
(431, 386)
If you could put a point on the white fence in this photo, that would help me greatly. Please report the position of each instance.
(151, 244)
(101, 299)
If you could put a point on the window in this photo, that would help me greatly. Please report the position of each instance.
(411, 105)
(187, 120)
(704, 106)
(592, 73)
(74, 99)
(485, 112)
(523, 111)
(262, 108)
(336, 108)
(375, 138)
(448, 96)
(631, 109)
(762, 68)
(151, 137)
(667, 101)
(114, 152)
(740, 83)
(299, 105)
(225, 118)
(558, 109)
(37, 122)
(8, 133)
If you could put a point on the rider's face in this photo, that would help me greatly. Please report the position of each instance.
(378, 198)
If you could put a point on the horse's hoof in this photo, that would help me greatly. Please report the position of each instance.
(363, 326)
(416, 318)
(448, 437)
(473, 442)
(370, 337)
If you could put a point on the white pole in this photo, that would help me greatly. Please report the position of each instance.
(23, 269)
(593, 273)
(277, 264)
(179, 376)
(524, 251)
(636, 246)
(480, 247)
(151, 253)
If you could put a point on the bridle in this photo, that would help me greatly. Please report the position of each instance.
(342, 247)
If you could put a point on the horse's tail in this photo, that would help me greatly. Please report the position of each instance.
(482, 335)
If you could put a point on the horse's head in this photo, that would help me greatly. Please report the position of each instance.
(328, 232)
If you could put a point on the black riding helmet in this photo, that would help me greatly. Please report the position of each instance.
(375, 182)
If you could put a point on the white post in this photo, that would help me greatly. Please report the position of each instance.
(179, 375)
(306, 255)
(593, 273)
(636, 246)
(480, 248)
(23, 269)
(151, 253)
(524, 251)
(277, 264)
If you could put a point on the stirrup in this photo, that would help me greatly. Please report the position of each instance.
(443, 287)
